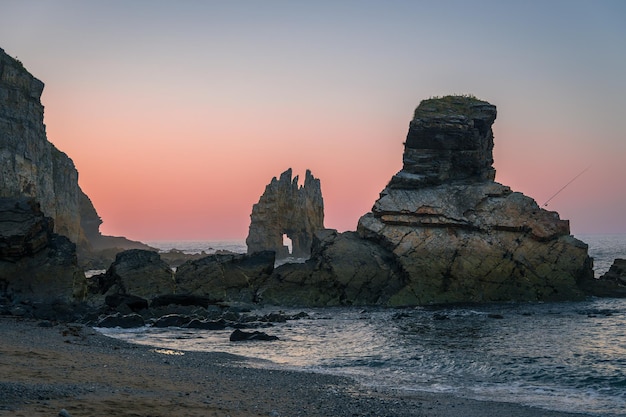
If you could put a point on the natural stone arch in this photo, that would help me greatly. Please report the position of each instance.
(287, 209)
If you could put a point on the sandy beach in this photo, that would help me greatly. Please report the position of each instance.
(48, 367)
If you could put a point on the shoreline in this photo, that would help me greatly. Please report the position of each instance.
(46, 367)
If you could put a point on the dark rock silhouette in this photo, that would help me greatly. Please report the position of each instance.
(611, 284)
(35, 263)
(287, 209)
(234, 277)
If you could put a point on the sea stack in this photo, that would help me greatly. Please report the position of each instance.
(459, 236)
(287, 209)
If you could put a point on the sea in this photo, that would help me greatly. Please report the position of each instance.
(567, 356)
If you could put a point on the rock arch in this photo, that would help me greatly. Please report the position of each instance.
(287, 209)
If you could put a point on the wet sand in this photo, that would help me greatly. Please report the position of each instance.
(46, 369)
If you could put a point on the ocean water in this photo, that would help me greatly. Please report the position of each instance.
(559, 356)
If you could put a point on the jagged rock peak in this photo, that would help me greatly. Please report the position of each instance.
(449, 139)
(287, 209)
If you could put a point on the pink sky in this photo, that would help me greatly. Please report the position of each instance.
(178, 115)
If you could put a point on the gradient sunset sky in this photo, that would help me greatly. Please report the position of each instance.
(177, 114)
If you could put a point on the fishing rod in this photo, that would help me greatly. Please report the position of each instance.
(565, 186)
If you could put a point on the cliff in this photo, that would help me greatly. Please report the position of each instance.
(31, 166)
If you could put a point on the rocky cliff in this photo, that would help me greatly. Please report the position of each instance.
(32, 166)
(287, 209)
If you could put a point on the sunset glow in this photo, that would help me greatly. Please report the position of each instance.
(178, 114)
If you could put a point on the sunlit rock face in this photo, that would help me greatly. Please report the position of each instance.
(457, 235)
(287, 209)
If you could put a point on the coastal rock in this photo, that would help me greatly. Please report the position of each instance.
(611, 284)
(343, 270)
(31, 166)
(458, 236)
(442, 231)
(240, 336)
(36, 263)
(127, 321)
(287, 209)
(231, 277)
(138, 272)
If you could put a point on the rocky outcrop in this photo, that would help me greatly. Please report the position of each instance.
(230, 277)
(442, 231)
(457, 235)
(36, 264)
(287, 209)
(611, 284)
(139, 273)
(31, 166)
(343, 270)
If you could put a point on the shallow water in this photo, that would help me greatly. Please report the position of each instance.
(560, 356)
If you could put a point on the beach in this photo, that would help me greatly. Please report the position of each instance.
(49, 367)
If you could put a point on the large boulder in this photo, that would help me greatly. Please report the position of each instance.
(138, 272)
(343, 270)
(457, 235)
(229, 277)
(35, 263)
(287, 209)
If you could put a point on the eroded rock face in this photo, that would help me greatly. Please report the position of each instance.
(225, 277)
(35, 263)
(343, 270)
(140, 273)
(457, 235)
(31, 166)
(287, 209)
(449, 139)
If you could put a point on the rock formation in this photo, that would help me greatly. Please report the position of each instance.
(611, 284)
(231, 277)
(343, 270)
(457, 235)
(35, 263)
(31, 166)
(137, 272)
(442, 231)
(286, 209)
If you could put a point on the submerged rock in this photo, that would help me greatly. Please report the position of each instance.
(287, 209)
(239, 336)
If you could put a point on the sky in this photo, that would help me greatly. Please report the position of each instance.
(177, 114)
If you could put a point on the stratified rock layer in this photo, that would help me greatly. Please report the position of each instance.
(287, 209)
(35, 263)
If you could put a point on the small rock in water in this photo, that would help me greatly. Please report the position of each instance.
(239, 335)
(64, 413)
